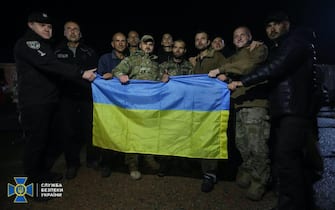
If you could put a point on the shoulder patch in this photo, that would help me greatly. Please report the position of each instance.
(33, 44)
(62, 55)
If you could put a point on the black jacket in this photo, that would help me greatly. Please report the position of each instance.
(84, 57)
(39, 70)
(289, 70)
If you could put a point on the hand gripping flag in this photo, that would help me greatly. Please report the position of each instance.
(185, 117)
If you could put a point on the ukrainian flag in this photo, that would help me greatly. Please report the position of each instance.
(185, 117)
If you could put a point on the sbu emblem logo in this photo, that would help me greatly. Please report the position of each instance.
(20, 190)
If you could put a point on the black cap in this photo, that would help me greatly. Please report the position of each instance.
(40, 17)
(278, 16)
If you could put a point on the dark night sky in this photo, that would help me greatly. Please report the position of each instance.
(99, 21)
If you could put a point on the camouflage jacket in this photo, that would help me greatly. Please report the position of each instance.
(174, 69)
(140, 66)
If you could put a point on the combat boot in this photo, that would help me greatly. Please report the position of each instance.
(134, 172)
(255, 191)
(243, 178)
(151, 162)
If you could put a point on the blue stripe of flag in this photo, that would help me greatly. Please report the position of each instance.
(190, 92)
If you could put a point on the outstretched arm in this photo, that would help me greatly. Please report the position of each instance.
(89, 74)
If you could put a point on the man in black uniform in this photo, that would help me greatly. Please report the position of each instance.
(76, 101)
(38, 71)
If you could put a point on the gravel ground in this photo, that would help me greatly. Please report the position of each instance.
(90, 191)
(177, 191)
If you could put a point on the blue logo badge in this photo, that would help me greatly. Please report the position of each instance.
(20, 190)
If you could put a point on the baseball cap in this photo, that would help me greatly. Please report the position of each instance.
(147, 38)
(277, 17)
(40, 17)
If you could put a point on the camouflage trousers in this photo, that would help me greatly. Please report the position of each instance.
(252, 135)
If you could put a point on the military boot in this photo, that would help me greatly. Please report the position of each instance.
(134, 172)
(255, 191)
(243, 178)
(151, 162)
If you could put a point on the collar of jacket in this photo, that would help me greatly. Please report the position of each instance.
(209, 53)
(279, 40)
(143, 54)
(30, 34)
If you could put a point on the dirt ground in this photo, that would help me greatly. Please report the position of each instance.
(179, 190)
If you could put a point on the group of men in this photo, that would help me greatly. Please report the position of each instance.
(266, 84)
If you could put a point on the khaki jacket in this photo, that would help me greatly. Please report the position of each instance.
(241, 63)
(211, 60)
